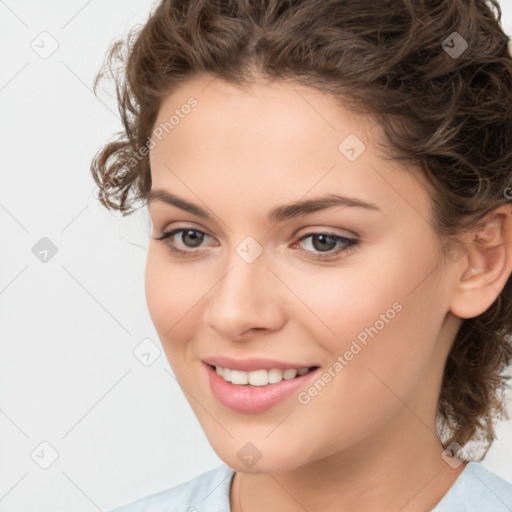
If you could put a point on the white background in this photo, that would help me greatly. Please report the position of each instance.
(69, 326)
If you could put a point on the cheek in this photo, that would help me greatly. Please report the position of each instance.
(172, 296)
(339, 303)
(377, 319)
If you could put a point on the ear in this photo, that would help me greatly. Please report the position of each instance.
(486, 265)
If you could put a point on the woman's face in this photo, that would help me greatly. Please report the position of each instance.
(370, 310)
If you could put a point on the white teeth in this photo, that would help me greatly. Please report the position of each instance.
(275, 375)
(290, 373)
(259, 377)
(238, 377)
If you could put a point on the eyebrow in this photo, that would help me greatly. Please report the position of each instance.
(278, 214)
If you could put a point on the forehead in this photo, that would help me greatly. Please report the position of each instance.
(284, 110)
(270, 139)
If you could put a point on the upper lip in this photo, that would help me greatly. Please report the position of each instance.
(252, 363)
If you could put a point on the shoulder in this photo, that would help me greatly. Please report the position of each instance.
(475, 490)
(208, 491)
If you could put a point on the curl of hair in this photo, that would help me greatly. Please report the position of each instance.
(452, 116)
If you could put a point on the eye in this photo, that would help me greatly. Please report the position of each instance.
(325, 242)
(190, 238)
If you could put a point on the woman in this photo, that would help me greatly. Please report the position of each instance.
(329, 185)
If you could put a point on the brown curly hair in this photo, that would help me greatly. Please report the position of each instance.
(451, 114)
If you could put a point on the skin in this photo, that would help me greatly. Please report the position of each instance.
(368, 440)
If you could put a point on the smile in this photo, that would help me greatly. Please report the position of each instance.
(259, 377)
(244, 396)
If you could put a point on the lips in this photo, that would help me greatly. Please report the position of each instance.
(255, 399)
(254, 363)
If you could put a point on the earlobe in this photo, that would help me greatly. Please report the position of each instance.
(486, 266)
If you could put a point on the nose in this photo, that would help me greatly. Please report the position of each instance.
(248, 298)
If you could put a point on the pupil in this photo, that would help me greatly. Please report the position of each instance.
(196, 240)
(323, 237)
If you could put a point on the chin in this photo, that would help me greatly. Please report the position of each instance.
(262, 466)
(248, 458)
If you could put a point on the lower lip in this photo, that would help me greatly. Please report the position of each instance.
(251, 399)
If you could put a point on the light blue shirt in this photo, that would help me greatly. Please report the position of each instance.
(476, 490)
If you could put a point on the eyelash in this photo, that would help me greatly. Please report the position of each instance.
(350, 243)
